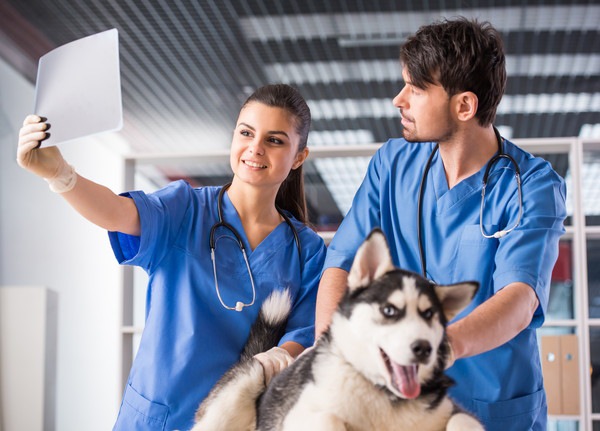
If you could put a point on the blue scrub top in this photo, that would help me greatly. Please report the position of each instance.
(503, 387)
(190, 339)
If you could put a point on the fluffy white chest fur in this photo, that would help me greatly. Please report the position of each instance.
(358, 405)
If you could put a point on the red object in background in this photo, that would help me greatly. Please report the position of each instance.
(563, 270)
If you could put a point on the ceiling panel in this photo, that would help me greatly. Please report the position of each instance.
(186, 67)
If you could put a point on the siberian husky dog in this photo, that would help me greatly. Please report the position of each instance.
(380, 366)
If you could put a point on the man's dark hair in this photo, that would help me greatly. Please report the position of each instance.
(460, 55)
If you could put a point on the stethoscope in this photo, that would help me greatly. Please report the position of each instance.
(239, 305)
(499, 234)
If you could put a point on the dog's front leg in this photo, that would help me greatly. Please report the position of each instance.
(463, 422)
(315, 422)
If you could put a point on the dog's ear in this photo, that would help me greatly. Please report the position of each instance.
(455, 297)
(372, 260)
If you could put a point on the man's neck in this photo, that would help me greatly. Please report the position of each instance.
(467, 152)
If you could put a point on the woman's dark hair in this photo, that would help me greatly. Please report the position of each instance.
(290, 196)
(460, 55)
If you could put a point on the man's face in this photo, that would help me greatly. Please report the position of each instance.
(425, 112)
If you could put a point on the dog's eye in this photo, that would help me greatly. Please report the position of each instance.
(389, 310)
(427, 314)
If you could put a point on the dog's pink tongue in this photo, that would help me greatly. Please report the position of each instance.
(406, 381)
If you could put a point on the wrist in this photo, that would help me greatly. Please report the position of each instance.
(64, 180)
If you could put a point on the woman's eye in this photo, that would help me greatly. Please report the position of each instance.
(245, 133)
(275, 141)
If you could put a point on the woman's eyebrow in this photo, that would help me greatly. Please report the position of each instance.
(271, 132)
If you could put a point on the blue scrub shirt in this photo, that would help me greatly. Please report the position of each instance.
(503, 387)
(190, 339)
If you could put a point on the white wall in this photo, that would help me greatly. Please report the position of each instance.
(27, 358)
(44, 242)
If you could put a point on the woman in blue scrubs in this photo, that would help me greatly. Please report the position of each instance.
(454, 74)
(198, 316)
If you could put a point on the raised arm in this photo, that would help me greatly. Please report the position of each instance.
(93, 201)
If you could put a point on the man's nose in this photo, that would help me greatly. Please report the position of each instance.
(400, 100)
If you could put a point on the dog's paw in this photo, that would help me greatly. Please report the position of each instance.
(463, 422)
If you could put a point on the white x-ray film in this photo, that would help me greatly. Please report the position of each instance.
(78, 88)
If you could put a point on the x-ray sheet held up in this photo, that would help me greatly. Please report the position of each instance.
(78, 88)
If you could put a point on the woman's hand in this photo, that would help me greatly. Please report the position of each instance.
(274, 361)
(44, 162)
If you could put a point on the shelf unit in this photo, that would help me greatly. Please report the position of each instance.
(577, 232)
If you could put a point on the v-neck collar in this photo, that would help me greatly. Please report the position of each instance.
(231, 216)
(447, 198)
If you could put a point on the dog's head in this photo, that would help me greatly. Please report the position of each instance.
(391, 324)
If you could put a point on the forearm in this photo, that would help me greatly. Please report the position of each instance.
(103, 207)
(293, 348)
(96, 203)
(331, 290)
(493, 323)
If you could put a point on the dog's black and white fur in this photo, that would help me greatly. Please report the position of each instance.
(380, 366)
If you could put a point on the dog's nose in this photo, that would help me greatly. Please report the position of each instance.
(421, 349)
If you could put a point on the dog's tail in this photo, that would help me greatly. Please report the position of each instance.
(269, 327)
(231, 404)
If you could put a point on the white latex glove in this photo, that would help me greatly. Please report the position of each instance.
(46, 162)
(274, 361)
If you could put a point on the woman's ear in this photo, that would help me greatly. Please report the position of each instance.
(466, 104)
(300, 158)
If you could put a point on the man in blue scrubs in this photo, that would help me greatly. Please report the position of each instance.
(455, 75)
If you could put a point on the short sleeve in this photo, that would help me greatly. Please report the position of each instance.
(162, 214)
(363, 216)
(528, 253)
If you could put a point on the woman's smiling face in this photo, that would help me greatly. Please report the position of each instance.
(265, 145)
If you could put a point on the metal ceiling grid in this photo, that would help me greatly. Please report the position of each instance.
(187, 66)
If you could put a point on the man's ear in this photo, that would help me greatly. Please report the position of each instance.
(465, 105)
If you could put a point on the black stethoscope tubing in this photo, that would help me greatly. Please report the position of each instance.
(239, 306)
(501, 154)
(223, 223)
